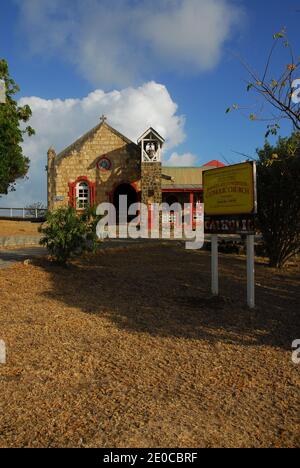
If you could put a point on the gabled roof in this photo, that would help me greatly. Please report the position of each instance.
(151, 130)
(78, 143)
(214, 163)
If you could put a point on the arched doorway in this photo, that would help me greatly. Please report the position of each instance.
(129, 191)
(171, 199)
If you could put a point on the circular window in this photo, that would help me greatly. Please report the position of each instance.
(104, 164)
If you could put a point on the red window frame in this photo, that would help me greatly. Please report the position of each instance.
(72, 191)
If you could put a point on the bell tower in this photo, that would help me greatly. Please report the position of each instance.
(151, 144)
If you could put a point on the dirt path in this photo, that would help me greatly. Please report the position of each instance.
(129, 349)
(9, 257)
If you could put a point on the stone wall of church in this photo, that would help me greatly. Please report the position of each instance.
(81, 160)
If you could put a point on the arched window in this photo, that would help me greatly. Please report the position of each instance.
(82, 195)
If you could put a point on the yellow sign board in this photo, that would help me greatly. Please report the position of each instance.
(230, 190)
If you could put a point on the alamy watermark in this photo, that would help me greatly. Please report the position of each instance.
(2, 92)
(2, 352)
(296, 353)
(296, 93)
(156, 221)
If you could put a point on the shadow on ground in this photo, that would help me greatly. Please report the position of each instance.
(164, 291)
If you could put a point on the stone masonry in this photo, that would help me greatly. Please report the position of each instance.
(151, 183)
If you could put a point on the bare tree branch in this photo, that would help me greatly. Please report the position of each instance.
(276, 93)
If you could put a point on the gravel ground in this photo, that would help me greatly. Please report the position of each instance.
(128, 349)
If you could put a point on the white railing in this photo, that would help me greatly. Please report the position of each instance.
(22, 213)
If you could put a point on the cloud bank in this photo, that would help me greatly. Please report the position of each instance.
(118, 42)
(182, 160)
(59, 122)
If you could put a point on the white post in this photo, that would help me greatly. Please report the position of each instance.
(214, 266)
(250, 272)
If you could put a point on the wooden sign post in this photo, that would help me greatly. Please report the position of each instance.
(251, 271)
(214, 265)
(230, 206)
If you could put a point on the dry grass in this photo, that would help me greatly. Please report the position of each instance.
(18, 228)
(128, 349)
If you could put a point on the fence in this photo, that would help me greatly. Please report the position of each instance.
(22, 213)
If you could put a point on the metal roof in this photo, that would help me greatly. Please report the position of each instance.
(183, 177)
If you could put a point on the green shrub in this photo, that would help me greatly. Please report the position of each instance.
(66, 233)
(90, 219)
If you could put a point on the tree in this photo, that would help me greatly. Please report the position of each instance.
(280, 92)
(278, 172)
(13, 164)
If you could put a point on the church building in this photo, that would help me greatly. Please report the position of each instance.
(104, 164)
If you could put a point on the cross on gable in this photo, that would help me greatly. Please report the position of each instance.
(103, 118)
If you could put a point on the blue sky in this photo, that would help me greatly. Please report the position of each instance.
(56, 51)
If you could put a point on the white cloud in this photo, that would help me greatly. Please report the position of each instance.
(181, 160)
(116, 43)
(193, 32)
(59, 122)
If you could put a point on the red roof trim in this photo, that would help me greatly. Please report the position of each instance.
(214, 163)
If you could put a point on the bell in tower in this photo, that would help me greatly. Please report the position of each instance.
(151, 144)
